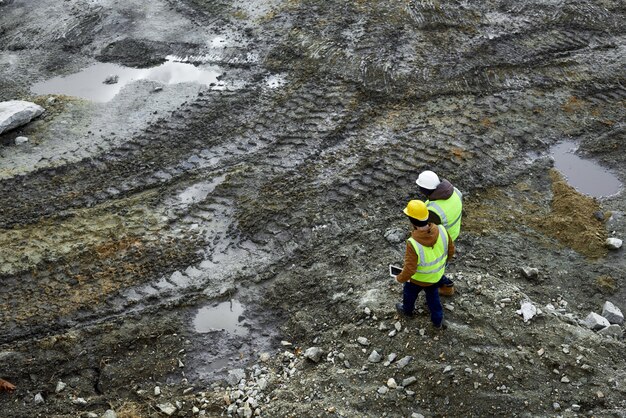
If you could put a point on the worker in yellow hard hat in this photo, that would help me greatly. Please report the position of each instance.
(427, 251)
(445, 207)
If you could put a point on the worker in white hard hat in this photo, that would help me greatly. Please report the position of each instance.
(427, 251)
(445, 207)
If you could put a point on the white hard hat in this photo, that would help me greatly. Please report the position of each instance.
(428, 180)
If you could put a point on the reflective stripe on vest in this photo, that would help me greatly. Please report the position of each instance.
(432, 260)
(452, 206)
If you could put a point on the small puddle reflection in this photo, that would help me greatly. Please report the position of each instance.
(224, 316)
(89, 83)
(584, 175)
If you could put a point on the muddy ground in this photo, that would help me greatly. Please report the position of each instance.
(120, 221)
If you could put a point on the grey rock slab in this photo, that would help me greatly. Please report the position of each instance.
(613, 243)
(314, 354)
(235, 376)
(167, 408)
(409, 381)
(15, 113)
(403, 362)
(612, 313)
(596, 322)
(375, 357)
(612, 330)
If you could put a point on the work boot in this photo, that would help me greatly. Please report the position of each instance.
(442, 326)
(400, 309)
(446, 290)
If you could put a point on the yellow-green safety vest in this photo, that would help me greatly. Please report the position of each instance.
(449, 211)
(431, 261)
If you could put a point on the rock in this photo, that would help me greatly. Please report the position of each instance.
(382, 390)
(262, 383)
(314, 354)
(167, 408)
(367, 311)
(565, 379)
(363, 341)
(39, 399)
(79, 401)
(391, 383)
(397, 326)
(596, 322)
(51, 100)
(247, 412)
(15, 113)
(390, 358)
(264, 357)
(416, 415)
(612, 313)
(375, 357)
(20, 140)
(403, 362)
(60, 387)
(195, 410)
(91, 415)
(612, 330)
(556, 406)
(157, 391)
(395, 235)
(112, 79)
(409, 381)
(447, 369)
(575, 407)
(613, 243)
(530, 272)
(235, 376)
(527, 310)
(109, 413)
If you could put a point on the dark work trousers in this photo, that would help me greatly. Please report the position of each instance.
(445, 282)
(410, 293)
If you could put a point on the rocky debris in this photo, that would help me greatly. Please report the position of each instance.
(391, 383)
(395, 235)
(167, 408)
(596, 322)
(409, 381)
(403, 362)
(527, 310)
(374, 357)
(382, 390)
(363, 341)
(112, 79)
(314, 354)
(530, 272)
(157, 391)
(15, 113)
(39, 399)
(20, 140)
(234, 376)
(60, 386)
(612, 313)
(613, 243)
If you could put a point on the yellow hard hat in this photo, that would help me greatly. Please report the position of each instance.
(416, 209)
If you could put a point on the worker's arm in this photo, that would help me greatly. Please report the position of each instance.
(410, 264)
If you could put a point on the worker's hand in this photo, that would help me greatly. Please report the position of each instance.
(6, 386)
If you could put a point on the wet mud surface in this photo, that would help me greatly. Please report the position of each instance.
(271, 199)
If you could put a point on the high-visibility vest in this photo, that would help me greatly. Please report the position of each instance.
(449, 211)
(431, 263)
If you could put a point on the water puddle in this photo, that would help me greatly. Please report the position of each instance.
(224, 316)
(90, 83)
(585, 176)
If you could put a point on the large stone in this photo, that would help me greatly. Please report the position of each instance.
(235, 376)
(16, 113)
(167, 408)
(314, 354)
(613, 243)
(527, 310)
(612, 313)
(596, 322)
(375, 357)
